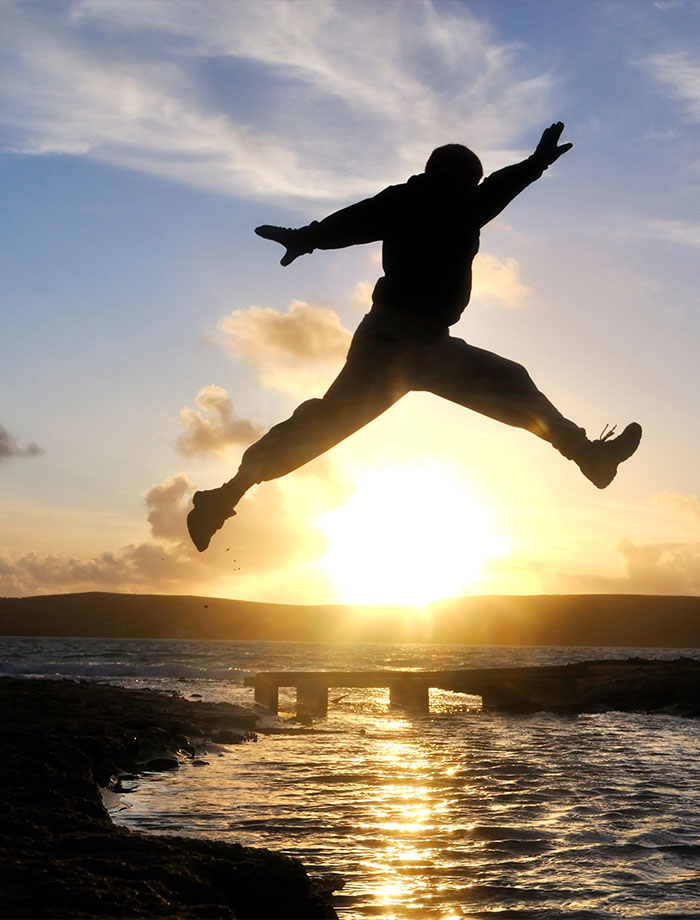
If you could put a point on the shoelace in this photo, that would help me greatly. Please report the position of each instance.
(607, 432)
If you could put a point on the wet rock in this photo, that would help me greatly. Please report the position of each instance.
(161, 764)
(642, 685)
(231, 737)
(60, 854)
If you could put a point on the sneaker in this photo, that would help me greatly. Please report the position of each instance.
(599, 460)
(211, 508)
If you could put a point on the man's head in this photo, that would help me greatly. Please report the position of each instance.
(455, 162)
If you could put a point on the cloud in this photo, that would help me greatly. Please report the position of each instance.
(268, 528)
(362, 295)
(662, 568)
(167, 506)
(308, 100)
(219, 432)
(498, 280)
(273, 535)
(164, 563)
(144, 567)
(11, 449)
(680, 75)
(682, 232)
(649, 568)
(687, 505)
(297, 352)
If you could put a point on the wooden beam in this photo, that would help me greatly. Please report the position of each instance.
(267, 694)
(312, 697)
(410, 693)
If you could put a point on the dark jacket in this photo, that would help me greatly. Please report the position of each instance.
(430, 230)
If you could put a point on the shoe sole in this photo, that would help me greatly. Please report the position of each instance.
(200, 540)
(199, 524)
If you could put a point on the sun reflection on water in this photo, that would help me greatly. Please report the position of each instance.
(461, 813)
(410, 811)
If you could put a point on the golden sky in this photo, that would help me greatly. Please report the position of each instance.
(151, 337)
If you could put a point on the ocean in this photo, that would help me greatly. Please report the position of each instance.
(459, 814)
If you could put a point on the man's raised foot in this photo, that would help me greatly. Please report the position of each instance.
(212, 508)
(598, 460)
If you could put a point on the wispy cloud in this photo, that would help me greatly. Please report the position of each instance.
(216, 428)
(11, 448)
(362, 296)
(679, 74)
(687, 505)
(667, 230)
(306, 99)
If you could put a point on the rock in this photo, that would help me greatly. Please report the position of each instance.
(159, 764)
(60, 854)
(642, 685)
(231, 737)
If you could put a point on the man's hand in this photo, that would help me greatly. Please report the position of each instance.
(548, 150)
(290, 239)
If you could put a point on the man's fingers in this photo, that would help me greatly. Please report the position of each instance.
(548, 147)
(285, 237)
(268, 232)
(556, 129)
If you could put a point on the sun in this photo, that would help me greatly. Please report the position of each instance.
(409, 534)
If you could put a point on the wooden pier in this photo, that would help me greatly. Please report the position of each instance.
(515, 689)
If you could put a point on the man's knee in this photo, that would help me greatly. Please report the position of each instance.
(307, 409)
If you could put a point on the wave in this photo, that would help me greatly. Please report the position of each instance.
(121, 669)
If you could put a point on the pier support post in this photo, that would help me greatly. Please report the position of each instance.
(267, 694)
(409, 693)
(312, 698)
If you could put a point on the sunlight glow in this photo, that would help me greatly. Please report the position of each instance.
(407, 535)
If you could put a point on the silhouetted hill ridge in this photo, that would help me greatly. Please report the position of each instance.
(630, 620)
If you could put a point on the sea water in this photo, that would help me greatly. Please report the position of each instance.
(459, 814)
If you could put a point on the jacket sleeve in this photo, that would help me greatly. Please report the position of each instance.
(501, 187)
(364, 222)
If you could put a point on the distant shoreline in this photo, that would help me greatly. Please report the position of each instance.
(578, 620)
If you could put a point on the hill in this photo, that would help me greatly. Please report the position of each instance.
(580, 620)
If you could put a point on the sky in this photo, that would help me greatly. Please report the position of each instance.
(148, 336)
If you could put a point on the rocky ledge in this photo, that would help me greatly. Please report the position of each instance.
(60, 853)
(642, 685)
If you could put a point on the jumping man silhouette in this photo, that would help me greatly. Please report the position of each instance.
(430, 229)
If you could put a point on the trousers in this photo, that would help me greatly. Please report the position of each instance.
(383, 365)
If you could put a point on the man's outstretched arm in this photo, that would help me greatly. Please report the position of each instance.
(364, 222)
(501, 187)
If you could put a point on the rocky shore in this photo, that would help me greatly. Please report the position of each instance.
(60, 853)
(641, 685)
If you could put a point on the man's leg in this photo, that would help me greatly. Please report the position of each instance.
(503, 390)
(370, 382)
